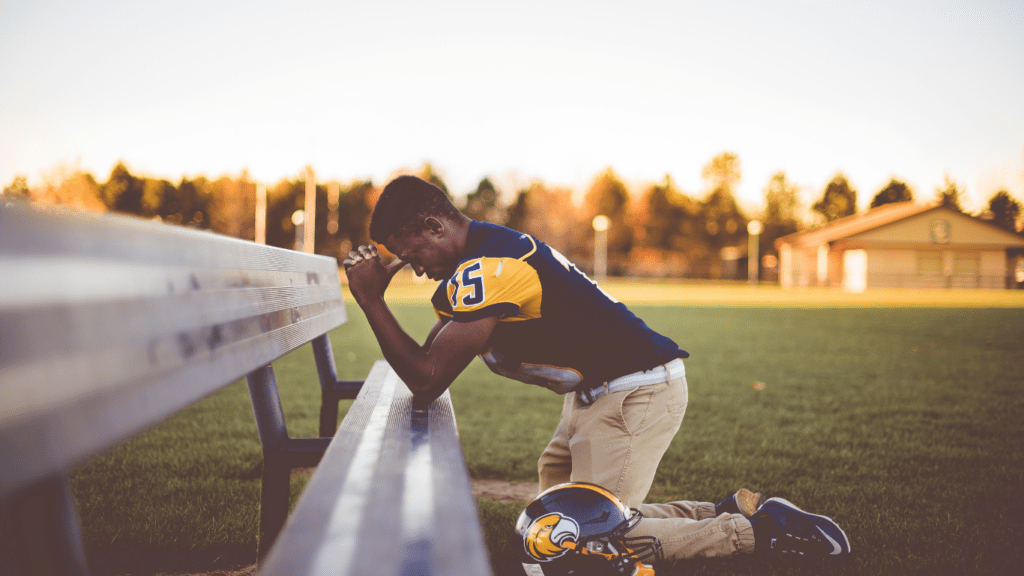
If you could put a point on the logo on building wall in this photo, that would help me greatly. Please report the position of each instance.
(940, 231)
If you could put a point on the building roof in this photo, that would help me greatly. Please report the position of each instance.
(870, 220)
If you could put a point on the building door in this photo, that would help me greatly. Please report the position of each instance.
(855, 271)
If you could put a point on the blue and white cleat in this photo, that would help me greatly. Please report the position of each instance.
(800, 534)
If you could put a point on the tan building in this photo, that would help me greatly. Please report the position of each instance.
(900, 245)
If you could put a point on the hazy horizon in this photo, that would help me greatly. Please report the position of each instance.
(912, 90)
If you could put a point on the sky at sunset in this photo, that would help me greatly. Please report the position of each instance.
(520, 90)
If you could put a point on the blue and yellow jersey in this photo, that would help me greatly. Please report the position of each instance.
(556, 328)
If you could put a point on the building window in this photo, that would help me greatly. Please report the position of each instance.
(965, 264)
(929, 263)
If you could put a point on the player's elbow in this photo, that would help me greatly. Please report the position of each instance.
(425, 393)
(423, 397)
(428, 386)
(416, 379)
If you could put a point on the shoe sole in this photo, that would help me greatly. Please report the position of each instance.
(849, 548)
(749, 502)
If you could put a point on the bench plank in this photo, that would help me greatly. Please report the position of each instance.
(391, 494)
(110, 324)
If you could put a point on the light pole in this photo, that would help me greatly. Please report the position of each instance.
(601, 224)
(333, 194)
(754, 229)
(309, 221)
(261, 213)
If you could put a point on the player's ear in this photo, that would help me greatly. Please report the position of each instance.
(433, 226)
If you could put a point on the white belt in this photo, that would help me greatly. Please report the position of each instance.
(656, 375)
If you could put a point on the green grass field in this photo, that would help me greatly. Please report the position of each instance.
(897, 414)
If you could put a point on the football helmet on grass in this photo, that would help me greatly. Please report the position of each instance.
(579, 528)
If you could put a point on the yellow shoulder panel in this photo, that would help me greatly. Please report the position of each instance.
(484, 282)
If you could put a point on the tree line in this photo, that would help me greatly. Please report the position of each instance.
(657, 231)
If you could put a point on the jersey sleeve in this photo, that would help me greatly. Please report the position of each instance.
(504, 287)
(442, 306)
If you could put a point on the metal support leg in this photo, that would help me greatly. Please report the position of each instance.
(329, 398)
(266, 406)
(273, 501)
(47, 531)
(328, 373)
(280, 455)
(331, 389)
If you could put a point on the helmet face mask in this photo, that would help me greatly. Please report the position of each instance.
(580, 528)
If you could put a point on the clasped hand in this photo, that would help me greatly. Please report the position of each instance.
(367, 276)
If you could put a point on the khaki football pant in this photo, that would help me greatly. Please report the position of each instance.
(617, 442)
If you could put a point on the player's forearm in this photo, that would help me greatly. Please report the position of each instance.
(413, 364)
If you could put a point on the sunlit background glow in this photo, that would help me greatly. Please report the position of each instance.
(521, 90)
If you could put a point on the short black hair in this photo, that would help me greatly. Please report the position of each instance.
(403, 205)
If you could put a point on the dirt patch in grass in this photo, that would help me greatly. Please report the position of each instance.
(505, 490)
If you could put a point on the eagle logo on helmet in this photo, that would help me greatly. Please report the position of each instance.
(548, 535)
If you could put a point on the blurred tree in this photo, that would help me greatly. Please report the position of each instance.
(781, 212)
(948, 194)
(549, 214)
(894, 191)
(482, 203)
(517, 212)
(182, 203)
(355, 203)
(669, 219)
(232, 207)
(18, 187)
(1004, 210)
(668, 231)
(123, 192)
(838, 201)
(430, 175)
(723, 172)
(69, 186)
(607, 195)
(724, 223)
(283, 199)
(154, 195)
(354, 207)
